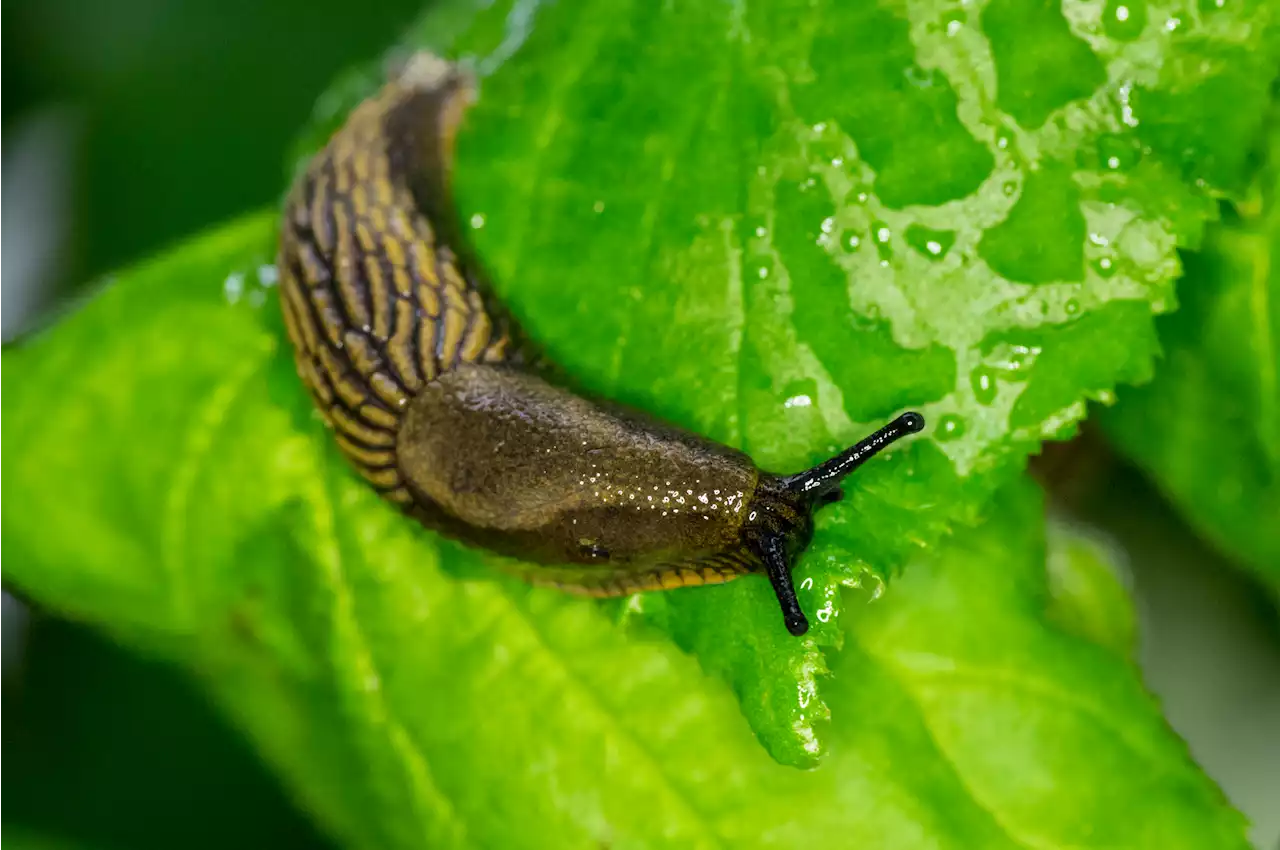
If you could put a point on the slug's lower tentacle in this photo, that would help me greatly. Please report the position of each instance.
(774, 553)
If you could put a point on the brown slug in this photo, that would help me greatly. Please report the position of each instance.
(441, 403)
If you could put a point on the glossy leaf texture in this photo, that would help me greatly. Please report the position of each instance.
(1208, 428)
(781, 224)
(166, 481)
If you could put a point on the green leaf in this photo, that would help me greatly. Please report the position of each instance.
(166, 481)
(1025, 710)
(780, 225)
(1089, 587)
(1208, 428)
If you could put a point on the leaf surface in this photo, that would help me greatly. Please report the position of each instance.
(1208, 428)
(408, 705)
(781, 224)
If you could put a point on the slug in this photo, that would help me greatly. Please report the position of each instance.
(443, 405)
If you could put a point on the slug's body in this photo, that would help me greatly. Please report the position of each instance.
(437, 399)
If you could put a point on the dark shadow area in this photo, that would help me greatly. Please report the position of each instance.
(105, 750)
(176, 114)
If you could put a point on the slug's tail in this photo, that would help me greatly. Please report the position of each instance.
(431, 96)
(377, 296)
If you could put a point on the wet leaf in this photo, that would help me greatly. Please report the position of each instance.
(409, 707)
(777, 226)
(780, 226)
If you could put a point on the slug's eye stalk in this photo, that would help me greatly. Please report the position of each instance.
(824, 478)
(780, 522)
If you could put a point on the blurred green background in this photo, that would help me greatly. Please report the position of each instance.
(172, 114)
(131, 124)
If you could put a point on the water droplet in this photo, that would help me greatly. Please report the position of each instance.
(598, 207)
(760, 231)
(233, 287)
(950, 427)
(477, 221)
(984, 385)
(1010, 188)
(798, 401)
(762, 272)
(1125, 93)
(836, 162)
(828, 224)
(1072, 307)
(1124, 20)
(1172, 24)
(1021, 357)
(881, 235)
(862, 197)
(919, 77)
(953, 22)
(1104, 266)
(877, 587)
(853, 243)
(933, 244)
(1118, 153)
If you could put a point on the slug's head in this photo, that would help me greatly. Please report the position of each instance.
(779, 522)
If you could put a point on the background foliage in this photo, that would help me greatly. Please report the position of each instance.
(705, 225)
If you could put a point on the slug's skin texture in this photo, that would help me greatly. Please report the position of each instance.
(556, 479)
(441, 403)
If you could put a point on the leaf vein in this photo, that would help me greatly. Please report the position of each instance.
(592, 694)
(364, 680)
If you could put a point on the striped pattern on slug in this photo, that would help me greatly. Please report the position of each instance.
(375, 302)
